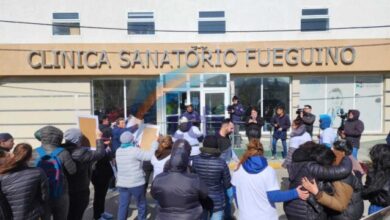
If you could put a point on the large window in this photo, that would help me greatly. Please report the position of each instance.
(66, 24)
(211, 22)
(140, 23)
(315, 19)
(330, 94)
(138, 100)
(264, 93)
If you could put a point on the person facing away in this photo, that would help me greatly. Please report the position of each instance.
(377, 186)
(51, 139)
(162, 154)
(213, 171)
(6, 144)
(79, 182)
(308, 118)
(254, 124)
(328, 135)
(192, 115)
(353, 130)
(299, 136)
(281, 123)
(118, 129)
(25, 188)
(179, 194)
(131, 178)
(189, 133)
(342, 198)
(256, 186)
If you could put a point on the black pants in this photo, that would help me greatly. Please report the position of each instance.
(78, 202)
(101, 184)
(148, 170)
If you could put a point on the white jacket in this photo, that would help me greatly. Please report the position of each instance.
(158, 165)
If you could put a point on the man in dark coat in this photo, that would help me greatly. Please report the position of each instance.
(353, 129)
(236, 111)
(192, 115)
(308, 119)
(179, 193)
(214, 171)
(281, 123)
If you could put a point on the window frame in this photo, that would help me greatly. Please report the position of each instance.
(203, 18)
(141, 17)
(65, 23)
(308, 15)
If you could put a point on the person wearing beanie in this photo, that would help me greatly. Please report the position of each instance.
(51, 139)
(328, 134)
(131, 178)
(213, 171)
(6, 144)
(79, 182)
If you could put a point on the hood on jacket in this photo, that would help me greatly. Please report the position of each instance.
(73, 135)
(180, 156)
(51, 135)
(355, 113)
(255, 164)
(298, 131)
(325, 121)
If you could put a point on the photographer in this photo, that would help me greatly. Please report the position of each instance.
(308, 118)
(353, 129)
(236, 111)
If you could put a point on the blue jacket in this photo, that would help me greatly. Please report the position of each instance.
(282, 122)
(213, 171)
(238, 113)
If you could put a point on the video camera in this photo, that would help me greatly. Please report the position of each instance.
(299, 111)
(230, 109)
(343, 115)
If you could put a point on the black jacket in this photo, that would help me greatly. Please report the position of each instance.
(355, 207)
(303, 165)
(253, 130)
(83, 157)
(27, 191)
(213, 171)
(377, 192)
(353, 128)
(179, 194)
(309, 119)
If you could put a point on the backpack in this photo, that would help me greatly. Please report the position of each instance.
(51, 165)
(5, 208)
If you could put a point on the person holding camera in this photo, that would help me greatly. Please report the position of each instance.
(353, 129)
(281, 123)
(236, 111)
(308, 118)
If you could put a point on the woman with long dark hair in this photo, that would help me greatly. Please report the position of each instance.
(377, 186)
(25, 188)
(254, 124)
(257, 187)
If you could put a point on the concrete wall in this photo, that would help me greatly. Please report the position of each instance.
(183, 15)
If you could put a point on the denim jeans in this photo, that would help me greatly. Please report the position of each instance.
(214, 216)
(125, 195)
(284, 144)
(355, 152)
(374, 208)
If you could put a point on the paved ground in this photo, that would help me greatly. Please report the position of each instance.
(112, 197)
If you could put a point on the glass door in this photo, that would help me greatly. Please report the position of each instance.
(214, 106)
(174, 107)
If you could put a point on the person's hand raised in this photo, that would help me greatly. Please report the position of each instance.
(310, 186)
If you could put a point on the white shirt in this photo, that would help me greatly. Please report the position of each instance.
(328, 136)
(158, 165)
(296, 141)
(251, 193)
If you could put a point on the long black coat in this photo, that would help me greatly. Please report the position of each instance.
(215, 173)
(179, 194)
(26, 190)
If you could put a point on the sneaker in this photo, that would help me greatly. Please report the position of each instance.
(107, 215)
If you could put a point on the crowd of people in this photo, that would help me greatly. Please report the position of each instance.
(192, 176)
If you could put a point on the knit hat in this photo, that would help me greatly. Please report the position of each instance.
(210, 141)
(73, 135)
(5, 136)
(126, 138)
